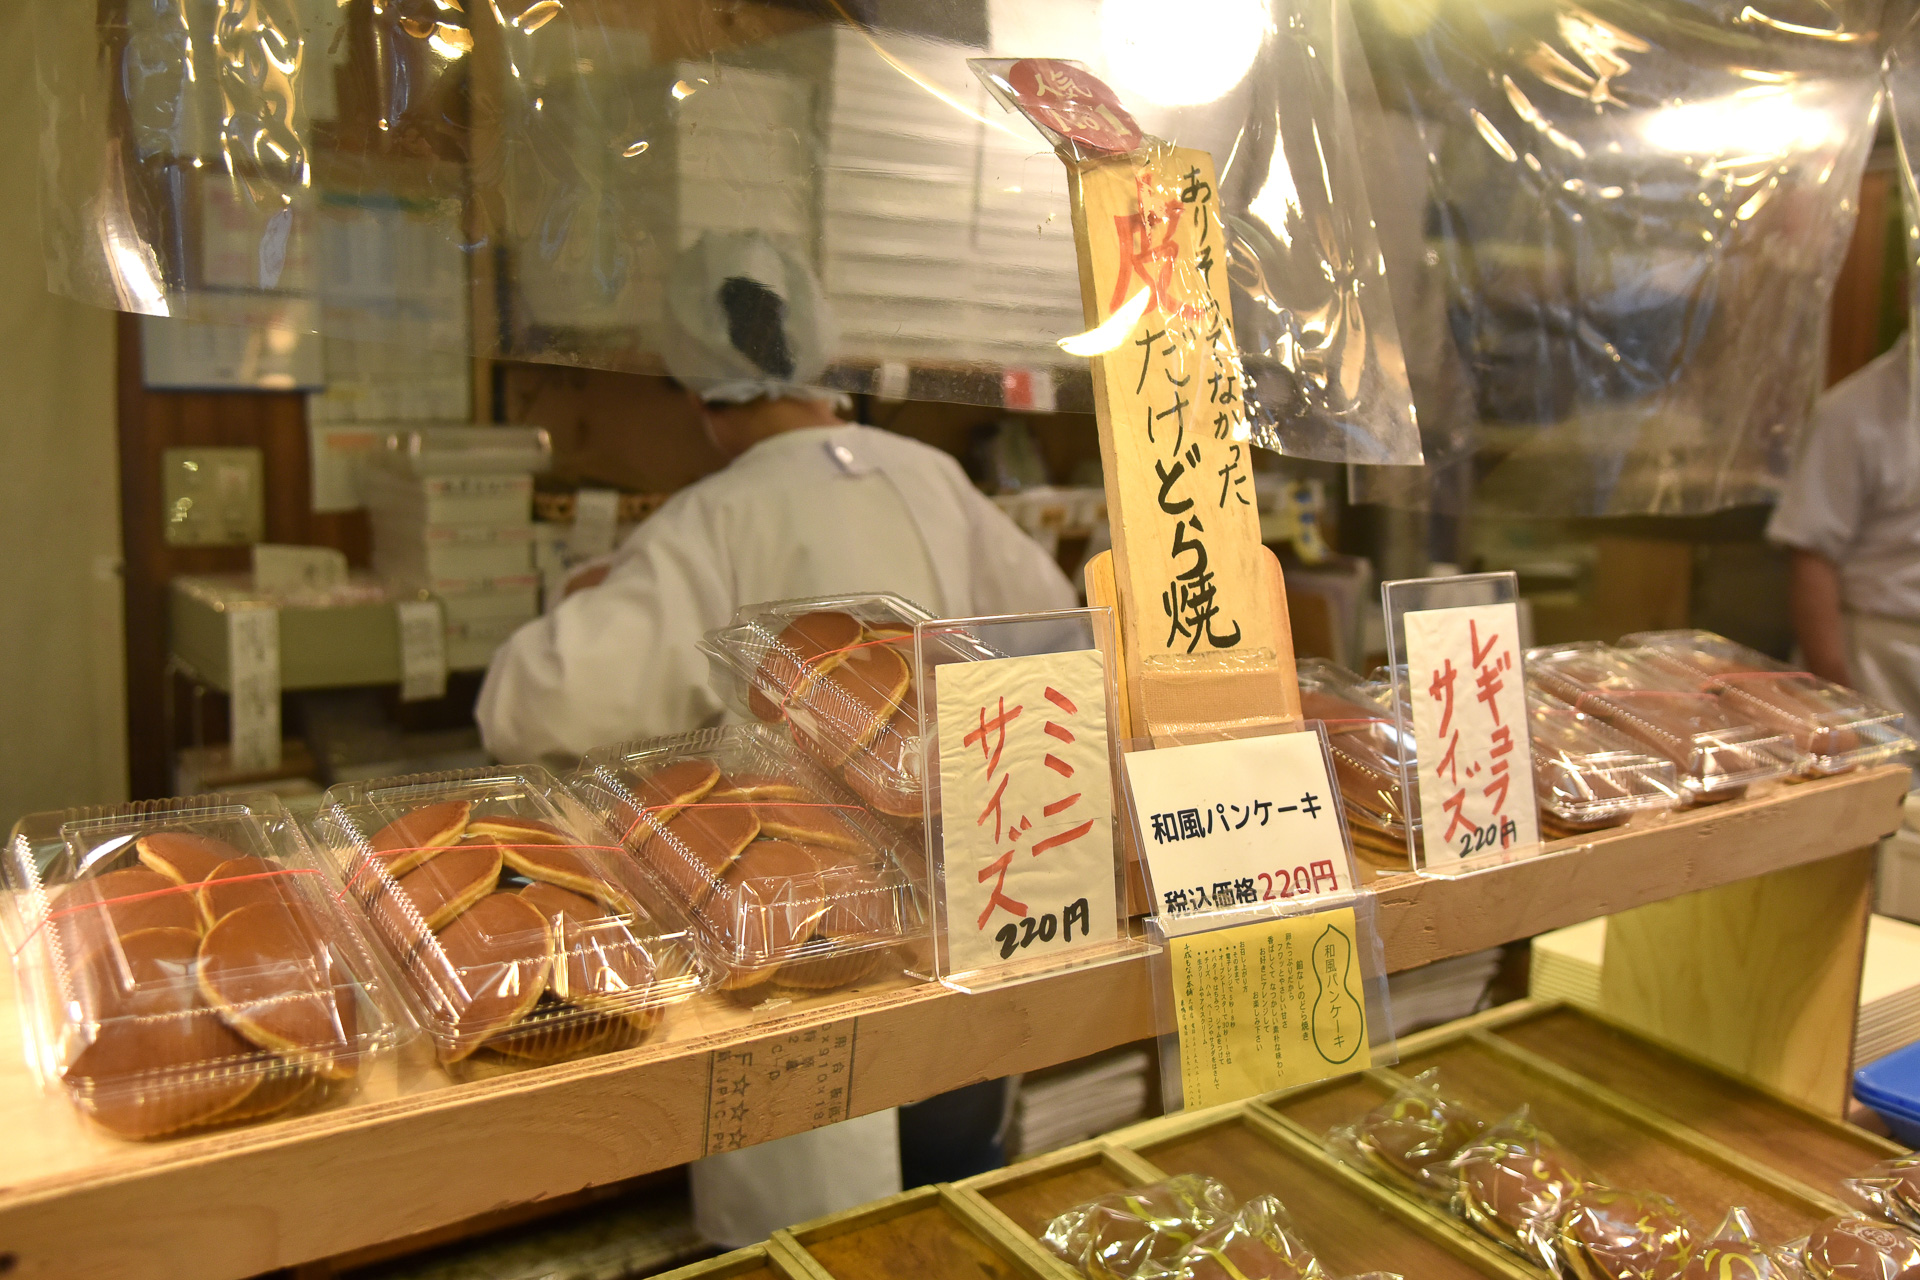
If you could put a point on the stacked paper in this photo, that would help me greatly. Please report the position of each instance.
(1072, 1103)
(1442, 991)
(1567, 962)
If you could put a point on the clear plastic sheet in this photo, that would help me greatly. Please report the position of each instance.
(1620, 1235)
(1638, 212)
(1516, 1185)
(1892, 1190)
(520, 179)
(1856, 1248)
(1589, 775)
(1737, 1250)
(1366, 746)
(1410, 1140)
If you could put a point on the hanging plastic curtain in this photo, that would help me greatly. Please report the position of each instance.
(515, 178)
(1634, 214)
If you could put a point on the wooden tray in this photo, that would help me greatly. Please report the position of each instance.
(755, 1262)
(930, 1233)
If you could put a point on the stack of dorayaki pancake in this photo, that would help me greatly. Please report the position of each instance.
(515, 935)
(846, 689)
(209, 986)
(779, 883)
(1362, 740)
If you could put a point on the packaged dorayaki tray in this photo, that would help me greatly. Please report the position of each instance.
(1717, 749)
(519, 927)
(1834, 728)
(785, 878)
(189, 963)
(838, 674)
(1587, 774)
(1366, 750)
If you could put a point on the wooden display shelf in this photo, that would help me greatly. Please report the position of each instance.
(418, 1151)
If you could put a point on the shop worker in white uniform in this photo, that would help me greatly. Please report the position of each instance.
(1851, 514)
(808, 505)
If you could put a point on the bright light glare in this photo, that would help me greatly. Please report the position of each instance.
(1749, 125)
(1116, 329)
(1184, 57)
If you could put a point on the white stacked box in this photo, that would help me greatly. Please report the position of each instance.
(1072, 1103)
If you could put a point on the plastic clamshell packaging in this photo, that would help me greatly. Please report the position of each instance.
(785, 878)
(1366, 749)
(1589, 775)
(839, 673)
(1833, 727)
(1716, 750)
(522, 932)
(186, 964)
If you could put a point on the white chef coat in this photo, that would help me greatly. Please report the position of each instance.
(818, 511)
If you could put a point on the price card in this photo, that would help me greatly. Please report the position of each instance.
(1026, 797)
(596, 519)
(1268, 1006)
(253, 683)
(1468, 696)
(423, 650)
(1233, 824)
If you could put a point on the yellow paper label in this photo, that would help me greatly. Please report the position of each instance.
(1268, 1006)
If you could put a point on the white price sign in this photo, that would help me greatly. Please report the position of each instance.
(1026, 798)
(253, 680)
(423, 650)
(1234, 824)
(1469, 700)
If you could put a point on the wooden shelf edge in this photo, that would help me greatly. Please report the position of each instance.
(282, 1194)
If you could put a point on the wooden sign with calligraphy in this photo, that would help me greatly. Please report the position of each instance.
(1204, 632)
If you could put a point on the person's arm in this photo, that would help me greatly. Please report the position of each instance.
(1813, 600)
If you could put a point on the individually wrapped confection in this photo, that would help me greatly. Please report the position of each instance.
(1515, 1184)
(1366, 746)
(1127, 1235)
(1716, 750)
(1257, 1243)
(520, 929)
(1891, 1189)
(187, 964)
(1619, 1235)
(1856, 1248)
(1587, 774)
(1834, 728)
(1410, 1140)
(785, 878)
(838, 673)
(1736, 1252)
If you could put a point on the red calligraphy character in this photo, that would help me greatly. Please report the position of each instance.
(1141, 256)
(1441, 690)
(1449, 766)
(993, 807)
(1456, 805)
(1324, 874)
(997, 725)
(1500, 744)
(998, 897)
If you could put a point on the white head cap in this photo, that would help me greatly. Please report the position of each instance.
(746, 319)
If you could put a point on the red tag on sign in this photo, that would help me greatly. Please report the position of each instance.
(1073, 102)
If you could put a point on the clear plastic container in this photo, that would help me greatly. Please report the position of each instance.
(1366, 747)
(839, 672)
(1834, 728)
(785, 878)
(1717, 751)
(519, 926)
(1588, 775)
(186, 964)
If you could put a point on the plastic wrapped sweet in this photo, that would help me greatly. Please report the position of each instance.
(1141, 1232)
(1620, 1235)
(1366, 748)
(522, 933)
(1516, 1184)
(189, 964)
(1411, 1139)
(784, 877)
(1892, 1190)
(1717, 750)
(1736, 1253)
(1856, 1248)
(1834, 728)
(1589, 775)
(1258, 1243)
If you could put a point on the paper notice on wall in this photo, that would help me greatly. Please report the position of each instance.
(423, 650)
(253, 680)
(1225, 825)
(1026, 794)
(1475, 755)
(1268, 1006)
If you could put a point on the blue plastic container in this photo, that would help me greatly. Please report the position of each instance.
(1891, 1087)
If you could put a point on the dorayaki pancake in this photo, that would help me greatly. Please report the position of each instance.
(660, 796)
(764, 909)
(554, 1033)
(276, 1089)
(570, 867)
(696, 848)
(419, 834)
(263, 971)
(849, 706)
(510, 829)
(489, 967)
(244, 882)
(599, 963)
(748, 788)
(859, 904)
(437, 891)
(182, 856)
(1855, 1248)
(884, 773)
(809, 647)
(161, 1060)
(1625, 1235)
(1510, 1187)
(817, 822)
(126, 901)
